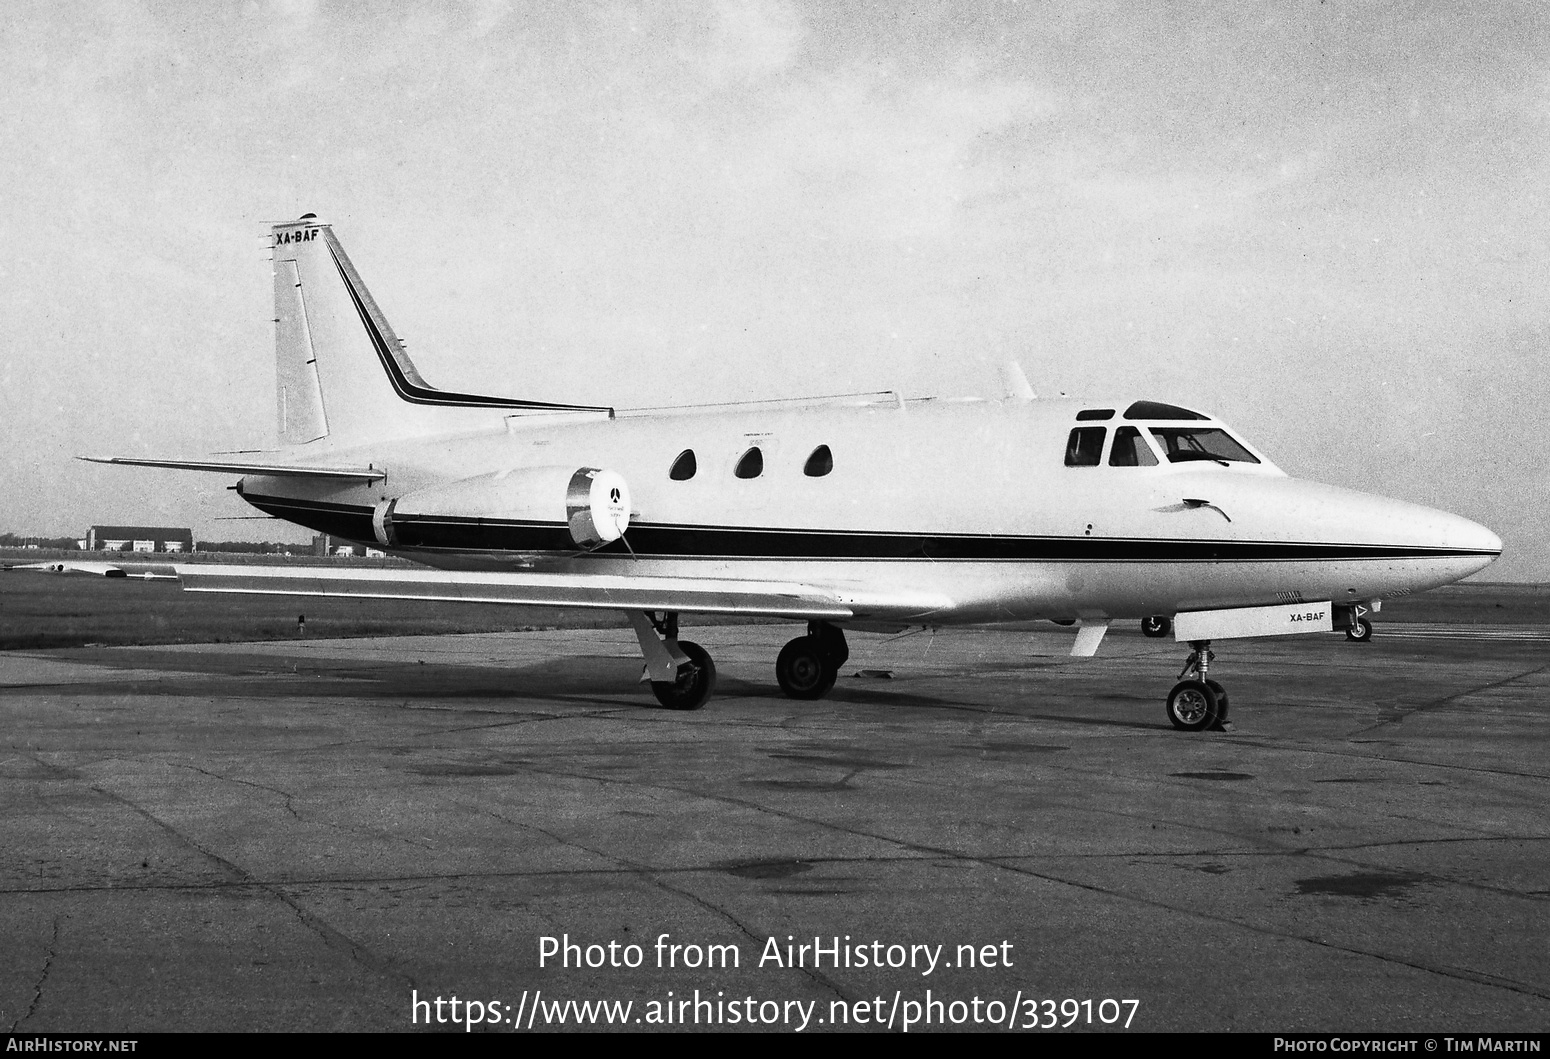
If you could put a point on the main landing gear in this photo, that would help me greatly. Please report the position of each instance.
(681, 673)
(1196, 702)
(809, 665)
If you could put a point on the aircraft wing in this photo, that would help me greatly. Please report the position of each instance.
(277, 470)
(699, 595)
(144, 572)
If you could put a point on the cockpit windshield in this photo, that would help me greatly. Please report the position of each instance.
(1183, 444)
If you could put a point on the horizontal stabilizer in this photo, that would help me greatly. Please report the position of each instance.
(277, 470)
(698, 595)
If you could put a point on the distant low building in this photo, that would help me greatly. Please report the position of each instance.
(139, 539)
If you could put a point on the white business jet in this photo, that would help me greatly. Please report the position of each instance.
(864, 511)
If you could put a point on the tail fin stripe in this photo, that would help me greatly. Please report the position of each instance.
(401, 373)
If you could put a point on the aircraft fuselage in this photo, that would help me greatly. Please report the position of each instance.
(922, 511)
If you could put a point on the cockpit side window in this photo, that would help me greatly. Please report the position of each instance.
(1131, 450)
(1158, 410)
(1183, 444)
(1084, 448)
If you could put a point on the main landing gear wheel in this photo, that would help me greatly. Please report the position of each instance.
(1158, 625)
(695, 682)
(809, 665)
(1359, 631)
(803, 671)
(1192, 706)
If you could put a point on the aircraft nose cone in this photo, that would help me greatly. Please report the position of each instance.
(1484, 539)
(1395, 545)
(1472, 537)
(1463, 546)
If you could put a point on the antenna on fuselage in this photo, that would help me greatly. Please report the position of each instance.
(1015, 383)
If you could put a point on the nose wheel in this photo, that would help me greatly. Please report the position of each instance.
(1359, 631)
(1198, 703)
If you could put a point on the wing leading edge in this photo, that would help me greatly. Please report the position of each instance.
(593, 591)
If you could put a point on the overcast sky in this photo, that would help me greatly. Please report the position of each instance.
(1325, 222)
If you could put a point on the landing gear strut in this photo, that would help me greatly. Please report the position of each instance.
(681, 673)
(1197, 702)
(809, 665)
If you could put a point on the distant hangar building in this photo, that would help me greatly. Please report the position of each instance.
(139, 539)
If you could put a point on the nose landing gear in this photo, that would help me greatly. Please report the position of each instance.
(1198, 703)
(1358, 629)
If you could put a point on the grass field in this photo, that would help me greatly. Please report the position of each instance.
(45, 610)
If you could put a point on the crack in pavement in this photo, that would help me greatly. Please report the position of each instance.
(653, 876)
(369, 833)
(332, 938)
(1353, 755)
(246, 783)
(628, 868)
(37, 988)
(969, 858)
(1397, 714)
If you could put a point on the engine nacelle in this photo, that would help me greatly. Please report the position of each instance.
(597, 507)
(592, 504)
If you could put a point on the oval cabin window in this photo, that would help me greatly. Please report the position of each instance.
(683, 467)
(751, 465)
(820, 463)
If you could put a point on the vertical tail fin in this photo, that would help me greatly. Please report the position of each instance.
(341, 371)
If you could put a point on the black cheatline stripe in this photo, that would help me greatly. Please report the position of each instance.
(716, 542)
(349, 521)
(415, 393)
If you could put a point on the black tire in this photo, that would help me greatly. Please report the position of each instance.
(804, 669)
(1221, 701)
(1359, 631)
(1156, 626)
(1192, 706)
(694, 684)
(831, 641)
